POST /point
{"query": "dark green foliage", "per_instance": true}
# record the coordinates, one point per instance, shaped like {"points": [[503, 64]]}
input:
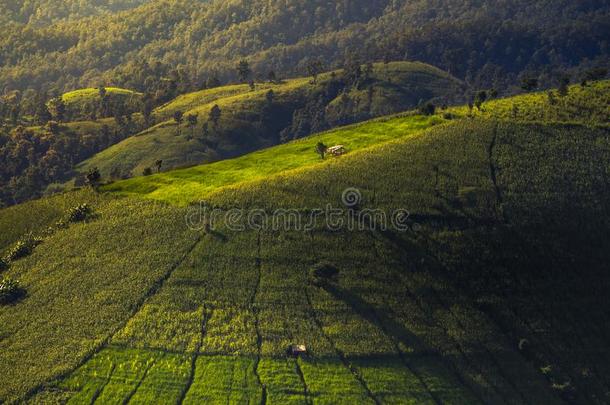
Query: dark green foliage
{"points": [[314, 68], [178, 119], [563, 89], [323, 273], [529, 83], [22, 248], [215, 114], [10, 291], [93, 177], [3, 264], [243, 71], [147, 171], [79, 213], [599, 73], [480, 98], [321, 149], [427, 109], [462, 37]]}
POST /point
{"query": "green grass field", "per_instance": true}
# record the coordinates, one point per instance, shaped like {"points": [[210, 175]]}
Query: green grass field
{"points": [[494, 293], [190, 185], [90, 94], [241, 129]]}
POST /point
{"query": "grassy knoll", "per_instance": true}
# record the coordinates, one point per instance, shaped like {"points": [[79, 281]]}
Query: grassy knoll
{"points": [[85, 100], [590, 104], [189, 185], [250, 121]]}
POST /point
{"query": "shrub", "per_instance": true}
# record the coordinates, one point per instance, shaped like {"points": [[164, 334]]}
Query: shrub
{"points": [[10, 291], [22, 248], [427, 109], [147, 171], [3, 264], [79, 213], [324, 272]]}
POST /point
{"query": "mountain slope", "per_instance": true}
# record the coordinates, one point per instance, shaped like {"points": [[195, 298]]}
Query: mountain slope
{"points": [[250, 120], [42, 12], [207, 38], [479, 299]]}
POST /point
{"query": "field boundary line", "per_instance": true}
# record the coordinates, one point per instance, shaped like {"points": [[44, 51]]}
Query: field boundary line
{"points": [[98, 347], [346, 363], [205, 317], [135, 389]]}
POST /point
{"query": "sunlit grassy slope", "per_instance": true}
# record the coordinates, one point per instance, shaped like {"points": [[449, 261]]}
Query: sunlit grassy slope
{"points": [[242, 127], [421, 316], [189, 185], [494, 294], [92, 94], [81, 100], [581, 104], [586, 105]]}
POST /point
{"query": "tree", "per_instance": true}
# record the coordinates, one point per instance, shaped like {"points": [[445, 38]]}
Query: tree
{"points": [[353, 71], [93, 178], [272, 77], [148, 105], [57, 108], [480, 98], [102, 92], [158, 164], [215, 114], [529, 83], [563, 88], [594, 74], [192, 122], [53, 127], [314, 68], [321, 149], [270, 96], [212, 82], [243, 71], [178, 118], [427, 109], [252, 85]]}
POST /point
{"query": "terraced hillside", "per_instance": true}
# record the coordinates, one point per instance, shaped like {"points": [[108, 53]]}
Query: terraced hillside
{"points": [[490, 291]]}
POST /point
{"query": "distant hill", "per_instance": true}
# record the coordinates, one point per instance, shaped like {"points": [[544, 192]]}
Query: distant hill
{"points": [[251, 121], [44, 12], [81, 103], [489, 43], [487, 292]]}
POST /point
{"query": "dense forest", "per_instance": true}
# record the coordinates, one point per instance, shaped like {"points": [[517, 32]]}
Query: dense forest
{"points": [[41, 12], [485, 42], [164, 48]]}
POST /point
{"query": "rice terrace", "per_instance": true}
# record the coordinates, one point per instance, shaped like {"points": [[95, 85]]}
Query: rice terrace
{"points": [[304, 202]]}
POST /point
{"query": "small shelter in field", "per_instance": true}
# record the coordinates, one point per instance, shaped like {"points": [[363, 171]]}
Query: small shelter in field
{"points": [[297, 350], [337, 150]]}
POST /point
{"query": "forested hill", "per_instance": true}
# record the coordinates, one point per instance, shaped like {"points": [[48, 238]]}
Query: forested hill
{"points": [[487, 42], [40, 12]]}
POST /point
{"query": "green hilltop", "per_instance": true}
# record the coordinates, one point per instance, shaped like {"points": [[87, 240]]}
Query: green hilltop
{"points": [[475, 300], [250, 120]]}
